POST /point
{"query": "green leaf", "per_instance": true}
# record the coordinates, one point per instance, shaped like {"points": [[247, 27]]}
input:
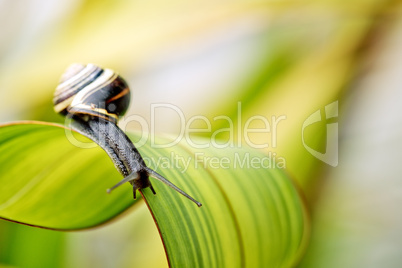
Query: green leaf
{"points": [[251, 216], [46, 181]]}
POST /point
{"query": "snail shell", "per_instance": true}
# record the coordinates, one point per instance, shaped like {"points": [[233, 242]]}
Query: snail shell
{"points": [[88, 90]]}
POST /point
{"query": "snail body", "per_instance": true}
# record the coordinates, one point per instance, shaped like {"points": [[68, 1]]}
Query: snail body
{"points": [[95, 98]]}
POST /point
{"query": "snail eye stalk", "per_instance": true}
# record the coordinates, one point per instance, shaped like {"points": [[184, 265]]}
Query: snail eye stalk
{"points": [[134, 176], [129, 178], [159, 177]]}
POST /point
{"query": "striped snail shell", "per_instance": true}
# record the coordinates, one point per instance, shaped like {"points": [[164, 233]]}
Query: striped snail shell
{"points": [[88, 90]]}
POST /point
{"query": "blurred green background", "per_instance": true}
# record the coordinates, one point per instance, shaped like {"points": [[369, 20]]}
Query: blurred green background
{"points": [[276, 58]]}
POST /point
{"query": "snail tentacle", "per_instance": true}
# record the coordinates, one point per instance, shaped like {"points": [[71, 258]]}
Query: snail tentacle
{"points": [[159, 177]]}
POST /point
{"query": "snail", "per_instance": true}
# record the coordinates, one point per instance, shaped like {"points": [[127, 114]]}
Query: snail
{"points": [[95, 98]]}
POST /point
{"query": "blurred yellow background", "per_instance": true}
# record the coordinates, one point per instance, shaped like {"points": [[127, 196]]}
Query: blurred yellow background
{"points": [[276, 58]]}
